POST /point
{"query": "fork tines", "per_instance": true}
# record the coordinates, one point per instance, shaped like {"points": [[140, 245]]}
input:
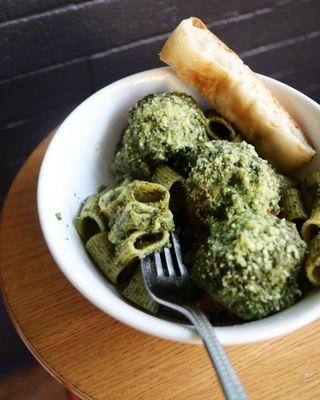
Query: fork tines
{"points": [[167, 263]]}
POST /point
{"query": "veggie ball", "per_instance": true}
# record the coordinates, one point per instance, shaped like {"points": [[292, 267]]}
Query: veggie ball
{"points": [[228, 178], [160, 126], [250, 264]]}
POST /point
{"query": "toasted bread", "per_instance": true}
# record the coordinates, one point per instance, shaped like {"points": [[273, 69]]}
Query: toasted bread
{"points": [[235, 91]]}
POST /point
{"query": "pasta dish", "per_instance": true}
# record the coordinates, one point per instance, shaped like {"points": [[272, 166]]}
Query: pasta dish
{"points": [[217, 177]]}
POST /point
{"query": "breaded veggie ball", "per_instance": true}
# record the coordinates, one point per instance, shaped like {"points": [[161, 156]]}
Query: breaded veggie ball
{"points": [[250, 264], [160, 126], [229, 179]]}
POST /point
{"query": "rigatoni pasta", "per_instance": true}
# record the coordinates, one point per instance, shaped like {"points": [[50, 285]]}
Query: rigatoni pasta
{"points": [[122, 224], [141, 244], [219, 128], [136, 292], [313, 261], [140, 217], [311, 189], [166, 176], [102, 252], [90, 220], [312, 226], [292, 206]]}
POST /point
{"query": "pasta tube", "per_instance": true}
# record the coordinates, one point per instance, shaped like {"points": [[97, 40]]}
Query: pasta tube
{"points": [[136, 292], [174, 182], [312, 226], [166, 176], [311, 189], [292, 206], [312, 181], [219, 128], [90, 220], [141, 244], [150, 193], [113, 202], [312, 265], [140, 217], [103, 254]]}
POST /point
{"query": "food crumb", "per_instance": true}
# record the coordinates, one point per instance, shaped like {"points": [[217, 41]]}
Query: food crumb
{"points": [[58, 216]]}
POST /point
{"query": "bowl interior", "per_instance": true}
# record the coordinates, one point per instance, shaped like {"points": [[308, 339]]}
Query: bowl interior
{"points": [[77, 163]]}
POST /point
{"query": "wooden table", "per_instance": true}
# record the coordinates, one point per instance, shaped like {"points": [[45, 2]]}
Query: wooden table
{"points": [[97, 357]]}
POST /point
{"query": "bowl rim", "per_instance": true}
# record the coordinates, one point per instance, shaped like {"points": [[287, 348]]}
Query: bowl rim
{"points": [[128, 314]]}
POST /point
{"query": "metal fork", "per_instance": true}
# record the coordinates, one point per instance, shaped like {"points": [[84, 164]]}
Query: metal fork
{"points": [[170, 285]]}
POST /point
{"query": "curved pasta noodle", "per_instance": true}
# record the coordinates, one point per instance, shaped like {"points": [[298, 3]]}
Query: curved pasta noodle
{"points": [[292, 206], [90, 220], [311, 189], [173, 181], [136, 292], [166, 176], [219, 128], [112, 203], [103, 254], [140, 217], [312, 226], [311, 193], [140, 244], [312, 264], [312, 182]]}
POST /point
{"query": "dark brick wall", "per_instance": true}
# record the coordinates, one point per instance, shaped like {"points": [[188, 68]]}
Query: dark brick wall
{"points": [[55, 53]]}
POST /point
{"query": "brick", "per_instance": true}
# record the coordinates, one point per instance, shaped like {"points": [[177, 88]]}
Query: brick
{"points": [[53, 88], [12, 9], [209, 10], [112, 66], [295, 55]]}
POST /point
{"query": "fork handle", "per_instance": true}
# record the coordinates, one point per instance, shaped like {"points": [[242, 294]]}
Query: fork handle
{"points": [[228, 377]]}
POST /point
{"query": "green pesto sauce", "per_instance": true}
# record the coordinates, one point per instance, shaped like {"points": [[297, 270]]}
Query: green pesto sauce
{"points": [[250, 264], [58, 216], [154, 220], [228, 179], [137, 206], [159, 126]]}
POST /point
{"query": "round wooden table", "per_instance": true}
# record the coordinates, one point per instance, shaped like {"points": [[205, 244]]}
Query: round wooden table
{"points": [[97, 357]]}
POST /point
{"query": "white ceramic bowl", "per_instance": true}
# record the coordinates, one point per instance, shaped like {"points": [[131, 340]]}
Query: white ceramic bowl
{"points": [[76, 164]]}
